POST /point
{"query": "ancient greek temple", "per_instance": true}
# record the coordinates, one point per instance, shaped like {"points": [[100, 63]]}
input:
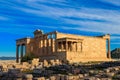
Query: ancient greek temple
{"points": [[65, 47]]}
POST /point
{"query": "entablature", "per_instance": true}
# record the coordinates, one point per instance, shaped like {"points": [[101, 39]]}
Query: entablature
{"points": [[69, 39]]}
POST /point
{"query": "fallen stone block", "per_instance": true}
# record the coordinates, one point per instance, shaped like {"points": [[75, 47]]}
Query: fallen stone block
{"points": [[27, 76], [14, 71]]}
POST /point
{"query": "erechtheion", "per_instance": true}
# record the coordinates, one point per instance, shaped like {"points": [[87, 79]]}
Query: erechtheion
{"points": [[65, 47]]}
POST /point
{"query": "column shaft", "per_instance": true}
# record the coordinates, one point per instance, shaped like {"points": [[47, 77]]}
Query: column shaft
{"points": [[109, 55], [51, 44], [56, 43], [26, 49], [56, 46], [47, 46], [17, 54], [39, 43], [21, 51], [43, 48]]}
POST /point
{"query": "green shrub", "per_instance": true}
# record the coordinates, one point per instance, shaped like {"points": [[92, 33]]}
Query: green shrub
{"points": [[27, 71], [28, 57], [115, 77]]}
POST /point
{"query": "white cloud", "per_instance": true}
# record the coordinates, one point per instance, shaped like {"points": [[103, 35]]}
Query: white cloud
{"points": [[114, 2], [35, 2], [95, 26], [46, 1], [3, 18], [110, 18]]}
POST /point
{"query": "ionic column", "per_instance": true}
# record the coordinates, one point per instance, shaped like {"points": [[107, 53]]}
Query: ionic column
{"points": [[40, 46], [26, 49], [43, 48], [21, 51], [109, 55], [47, 46], [51, 43], [56, 46], [17, 53]]}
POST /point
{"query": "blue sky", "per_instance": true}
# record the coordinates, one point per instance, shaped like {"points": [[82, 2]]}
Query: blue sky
{"points": [[19, 18]]}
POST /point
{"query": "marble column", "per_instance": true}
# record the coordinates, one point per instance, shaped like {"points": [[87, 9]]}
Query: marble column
{"points": [[21, 51], [27, 47], [47, 46], [109, 54], [56, 46], [43, 48], [17, 53], [25, 50], [56, 43], [51, 43], [39, 43], [40, 48]]}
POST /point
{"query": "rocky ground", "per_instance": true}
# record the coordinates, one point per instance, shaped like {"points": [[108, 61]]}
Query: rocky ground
{"points": [[55, 70]]}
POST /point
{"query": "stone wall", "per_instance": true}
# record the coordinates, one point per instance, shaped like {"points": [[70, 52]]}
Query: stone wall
{"points": [[93, 49]]}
